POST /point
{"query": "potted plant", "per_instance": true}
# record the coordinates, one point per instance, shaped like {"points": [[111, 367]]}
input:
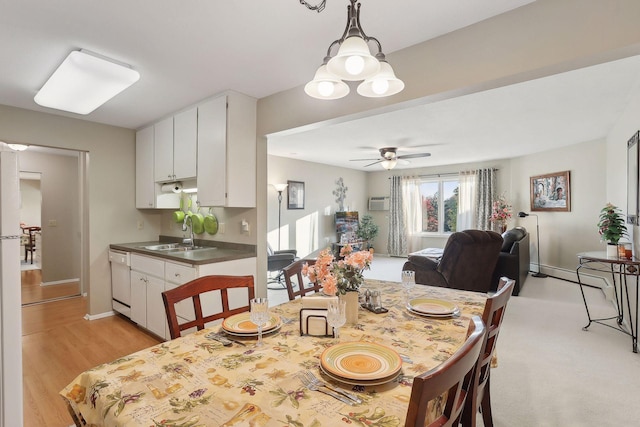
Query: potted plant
{"points": [[367, 230], [611, 227]]}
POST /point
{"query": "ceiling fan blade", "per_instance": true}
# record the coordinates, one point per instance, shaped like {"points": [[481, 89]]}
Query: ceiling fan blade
{"points": [[374, 163], [362, 160], [414, 156]]}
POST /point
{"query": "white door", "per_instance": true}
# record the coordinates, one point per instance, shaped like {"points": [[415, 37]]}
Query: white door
{"points": [[10, 337]]}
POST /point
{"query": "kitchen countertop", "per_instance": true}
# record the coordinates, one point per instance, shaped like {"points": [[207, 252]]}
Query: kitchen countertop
{"points": [[214, 252]]}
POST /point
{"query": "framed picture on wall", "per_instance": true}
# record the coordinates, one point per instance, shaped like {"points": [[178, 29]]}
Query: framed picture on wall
{"points": [[551, 192], [295, 195]]}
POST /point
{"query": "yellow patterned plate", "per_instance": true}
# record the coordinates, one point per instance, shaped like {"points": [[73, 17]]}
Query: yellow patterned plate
{"points": [[241, 323], [364, 383], [360, 360], [432, 306]]}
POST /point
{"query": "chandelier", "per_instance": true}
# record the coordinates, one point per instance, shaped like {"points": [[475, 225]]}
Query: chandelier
{"points": [[353, 62]]}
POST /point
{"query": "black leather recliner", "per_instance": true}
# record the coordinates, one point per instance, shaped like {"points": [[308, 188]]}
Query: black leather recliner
{"points": [[514, 259], [468, 261]]}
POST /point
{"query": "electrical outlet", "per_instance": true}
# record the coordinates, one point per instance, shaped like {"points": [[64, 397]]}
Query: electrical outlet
{"points": [[140, 224], [245, 226], [53, 223], [221, 228]]}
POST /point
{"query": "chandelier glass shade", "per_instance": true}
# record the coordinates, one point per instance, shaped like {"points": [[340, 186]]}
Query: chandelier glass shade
{"points": [[353, 61]]}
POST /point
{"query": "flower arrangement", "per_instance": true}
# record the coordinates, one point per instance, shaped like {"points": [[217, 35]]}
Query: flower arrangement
{"points": [[500, 211], [611, 224], [339, 276]]}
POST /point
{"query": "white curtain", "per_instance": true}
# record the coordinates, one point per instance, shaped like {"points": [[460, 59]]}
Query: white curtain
{"points": [[412, 212], [467, 206]]}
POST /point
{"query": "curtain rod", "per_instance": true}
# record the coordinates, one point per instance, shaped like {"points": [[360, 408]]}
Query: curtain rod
{"points": [[440, 175]]}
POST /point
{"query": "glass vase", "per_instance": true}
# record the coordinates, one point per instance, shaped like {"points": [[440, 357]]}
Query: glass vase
{"points": [[351, 298]]}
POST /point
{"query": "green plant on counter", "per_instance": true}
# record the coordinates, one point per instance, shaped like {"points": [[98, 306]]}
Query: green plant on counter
{"points": [[611, 225], [367, 229]]}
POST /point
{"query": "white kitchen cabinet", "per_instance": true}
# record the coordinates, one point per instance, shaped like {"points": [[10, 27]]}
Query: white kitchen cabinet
{"points": [[148, 192], [227, 151], [163, 150], [139, 298], [150, 276], [175, 148], [156, 315], [185, 144], [145, 182]]}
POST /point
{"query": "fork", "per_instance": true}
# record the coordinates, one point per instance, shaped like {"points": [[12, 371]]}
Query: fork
{"points": [[315, 387], [317, 381]]}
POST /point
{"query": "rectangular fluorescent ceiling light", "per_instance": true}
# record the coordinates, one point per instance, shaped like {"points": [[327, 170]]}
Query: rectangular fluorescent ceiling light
{"points": [[85, 81]]}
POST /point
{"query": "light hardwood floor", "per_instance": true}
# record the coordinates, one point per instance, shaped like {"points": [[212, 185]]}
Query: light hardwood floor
{"points": [[33, 292], [58, 344]]}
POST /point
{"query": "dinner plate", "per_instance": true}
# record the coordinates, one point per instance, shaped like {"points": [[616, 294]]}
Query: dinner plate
{"points": [[360, 360], [241, 323], [433, 316], [364, 383], [432, 306], [251, 334]]}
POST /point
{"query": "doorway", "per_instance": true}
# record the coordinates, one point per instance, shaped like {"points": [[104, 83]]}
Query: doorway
{"points": [[50, 221]]}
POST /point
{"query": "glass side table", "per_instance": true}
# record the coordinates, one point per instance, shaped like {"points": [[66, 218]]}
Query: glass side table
{"points": [[624, 272]]}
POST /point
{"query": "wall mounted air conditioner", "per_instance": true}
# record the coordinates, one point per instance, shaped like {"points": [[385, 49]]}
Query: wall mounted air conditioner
{"points": [[378, 203]]}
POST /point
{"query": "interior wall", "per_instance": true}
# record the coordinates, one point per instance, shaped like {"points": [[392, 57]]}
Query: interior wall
{"points": [[59, 188], [113, 217], [313, 227], [30, 202], [564, 234], [231, 218]]}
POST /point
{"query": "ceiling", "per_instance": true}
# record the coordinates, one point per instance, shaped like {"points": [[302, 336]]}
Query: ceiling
{"points": [[511, 121], [186, 51], [189, 50]]}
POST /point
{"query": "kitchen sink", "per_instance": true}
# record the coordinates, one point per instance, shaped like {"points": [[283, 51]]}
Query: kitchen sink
{"points": [[174, 247]]}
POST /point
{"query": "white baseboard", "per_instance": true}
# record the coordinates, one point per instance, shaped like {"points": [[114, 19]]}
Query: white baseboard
{"points": [[59, 282], [98, 316]]}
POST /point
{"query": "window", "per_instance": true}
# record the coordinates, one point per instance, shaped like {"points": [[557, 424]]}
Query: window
{"points": [[439, 201]]}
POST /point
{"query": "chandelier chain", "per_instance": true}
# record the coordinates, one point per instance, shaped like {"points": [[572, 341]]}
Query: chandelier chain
{"points": [[318, 8]]}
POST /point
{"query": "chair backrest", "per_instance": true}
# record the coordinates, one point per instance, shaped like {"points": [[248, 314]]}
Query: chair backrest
{"points": [[453, 376], [194, 289], [492, 316], [294, 271], [469, 258]]}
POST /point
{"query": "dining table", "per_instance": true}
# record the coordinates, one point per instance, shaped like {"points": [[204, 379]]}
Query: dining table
{"points": [[196, 380]]}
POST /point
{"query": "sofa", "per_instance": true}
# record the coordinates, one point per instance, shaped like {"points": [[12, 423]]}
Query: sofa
{"points": [[514, 259], [468, 262]]}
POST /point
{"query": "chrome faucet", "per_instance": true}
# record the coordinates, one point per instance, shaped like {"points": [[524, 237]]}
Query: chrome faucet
{"points": [[188, 223]]}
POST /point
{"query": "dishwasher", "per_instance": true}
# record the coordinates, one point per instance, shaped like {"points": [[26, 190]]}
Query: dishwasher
{"points": [[120, 281]]}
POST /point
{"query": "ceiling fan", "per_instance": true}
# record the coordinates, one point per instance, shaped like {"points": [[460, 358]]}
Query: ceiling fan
{"points": [[389, 157]]}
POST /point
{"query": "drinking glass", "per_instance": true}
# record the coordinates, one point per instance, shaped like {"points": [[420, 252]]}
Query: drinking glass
{"points": [[259, 316], [336, 315], [408, 282]]}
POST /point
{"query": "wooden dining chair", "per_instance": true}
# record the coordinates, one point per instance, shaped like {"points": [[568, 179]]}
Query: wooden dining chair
{"points": [[30, 245], [453, 377], [194, 289], [294, 279], [480, 397]]}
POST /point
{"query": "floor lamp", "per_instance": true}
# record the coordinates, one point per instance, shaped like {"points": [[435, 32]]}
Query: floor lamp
{"points": [[279, 188], [522, 215]]}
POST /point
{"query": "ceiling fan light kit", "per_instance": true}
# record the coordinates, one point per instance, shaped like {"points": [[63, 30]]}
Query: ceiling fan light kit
{"points": [[389, 158], [353, 62]]}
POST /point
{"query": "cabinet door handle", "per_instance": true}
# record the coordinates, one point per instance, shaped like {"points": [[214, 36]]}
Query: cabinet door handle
{"points": [[177, 274]]}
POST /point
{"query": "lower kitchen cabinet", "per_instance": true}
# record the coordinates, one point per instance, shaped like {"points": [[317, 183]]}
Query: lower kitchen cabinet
{"points": [[151, 276]]}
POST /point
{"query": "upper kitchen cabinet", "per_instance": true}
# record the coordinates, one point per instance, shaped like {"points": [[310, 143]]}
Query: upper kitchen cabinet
{"points": [[175, 148], [149, 193], [227, 151]]}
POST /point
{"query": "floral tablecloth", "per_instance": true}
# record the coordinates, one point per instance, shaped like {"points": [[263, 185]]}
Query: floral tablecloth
{"points": [[194, 381]]}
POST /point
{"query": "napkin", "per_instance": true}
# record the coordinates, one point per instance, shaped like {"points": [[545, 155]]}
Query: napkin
{"points": [[317, 301], [317, 323]]}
